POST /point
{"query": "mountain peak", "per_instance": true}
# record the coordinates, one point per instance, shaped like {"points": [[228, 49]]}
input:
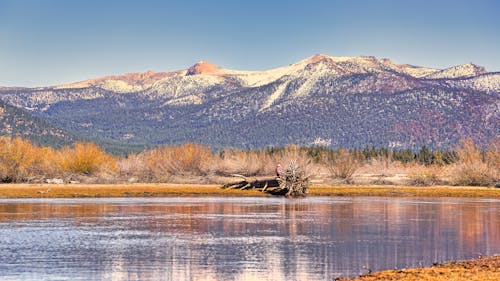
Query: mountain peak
{"points": [[202, 67], [386, 61], [322, 57], [318, 57], [459, 71]]}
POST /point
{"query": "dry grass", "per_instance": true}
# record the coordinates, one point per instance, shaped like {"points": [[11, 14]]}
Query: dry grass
{"points": [[166, 190], [404, 191], [117, 190], [473, 270]]}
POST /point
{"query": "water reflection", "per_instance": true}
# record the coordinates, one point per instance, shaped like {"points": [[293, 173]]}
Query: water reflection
{"points": [[238, 238]]}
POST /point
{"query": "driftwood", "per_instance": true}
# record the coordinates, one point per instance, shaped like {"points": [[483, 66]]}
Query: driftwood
{"points": [[251, 184], [292, 183]]}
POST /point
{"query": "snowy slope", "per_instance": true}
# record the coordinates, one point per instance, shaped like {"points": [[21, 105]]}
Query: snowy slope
{"points": [[464, 70]]}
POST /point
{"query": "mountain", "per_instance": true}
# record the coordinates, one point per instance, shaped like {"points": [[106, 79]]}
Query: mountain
{"points": [[17, 122], [333, 101]]}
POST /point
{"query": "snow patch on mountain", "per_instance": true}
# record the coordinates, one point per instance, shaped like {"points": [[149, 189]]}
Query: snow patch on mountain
{"points": [[186, 100], [464, 70], [417, 71], [119, 86], [321, 142], [179, 86], [260, 78], [280, 90], [489, 82]]}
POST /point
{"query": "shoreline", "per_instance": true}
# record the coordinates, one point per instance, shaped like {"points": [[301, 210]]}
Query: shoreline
{"points": [[482, 268], [23, 190]]}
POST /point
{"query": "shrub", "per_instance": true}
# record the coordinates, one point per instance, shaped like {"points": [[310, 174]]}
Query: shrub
{"points": [[248, 163], [86, 159], [342, 164], [261, 162], [425, 175], [157, 163], [20, 160], [190, 159], [184, 160], [472, 168], [492, 159], [133, 165]]}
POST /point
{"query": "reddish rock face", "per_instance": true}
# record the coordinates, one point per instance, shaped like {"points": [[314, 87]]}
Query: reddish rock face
{"points": [[202, 67], [131, 78]]}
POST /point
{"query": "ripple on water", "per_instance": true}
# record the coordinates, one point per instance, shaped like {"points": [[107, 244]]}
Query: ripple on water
{"points": [[313, 238]]}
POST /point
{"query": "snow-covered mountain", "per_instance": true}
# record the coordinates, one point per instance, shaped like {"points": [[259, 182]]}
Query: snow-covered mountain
{"points": [[459, 71], [346, 101]]}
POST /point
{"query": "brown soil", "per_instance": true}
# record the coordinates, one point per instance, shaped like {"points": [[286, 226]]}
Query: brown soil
{"points": [[478, 269]]}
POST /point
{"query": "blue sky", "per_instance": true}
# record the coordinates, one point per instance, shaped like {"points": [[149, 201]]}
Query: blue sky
{"points": [[48, 42]]}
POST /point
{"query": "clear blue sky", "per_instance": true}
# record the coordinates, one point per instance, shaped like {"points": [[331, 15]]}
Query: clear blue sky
{"points": [[47, 42]]}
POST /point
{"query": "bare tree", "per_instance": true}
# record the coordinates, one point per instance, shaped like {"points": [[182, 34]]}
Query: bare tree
{"points": [[342, 164]]}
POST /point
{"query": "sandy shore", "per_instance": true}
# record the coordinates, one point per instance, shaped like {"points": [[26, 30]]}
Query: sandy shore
{"points": [[168, 190], [472, 270]]}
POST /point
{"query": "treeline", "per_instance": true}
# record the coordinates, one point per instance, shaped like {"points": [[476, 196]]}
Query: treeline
{"points": [[424, 156], [23, 161]]}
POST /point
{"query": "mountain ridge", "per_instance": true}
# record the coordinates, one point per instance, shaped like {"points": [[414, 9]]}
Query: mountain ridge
{"points": [[147, 79], [218, 106]]}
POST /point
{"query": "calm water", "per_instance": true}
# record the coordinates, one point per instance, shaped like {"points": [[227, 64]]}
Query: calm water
{"points": [[238, 238]]}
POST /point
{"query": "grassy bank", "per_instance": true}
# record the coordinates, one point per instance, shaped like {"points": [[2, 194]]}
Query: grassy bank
{"points": [[116, 190], [404, 191], [165, 190], [479, 269]]}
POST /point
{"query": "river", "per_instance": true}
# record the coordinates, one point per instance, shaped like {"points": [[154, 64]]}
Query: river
{"points": [[200, 238]]}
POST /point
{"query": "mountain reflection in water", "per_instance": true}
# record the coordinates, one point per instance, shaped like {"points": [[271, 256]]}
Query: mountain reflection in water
{"points": [[316, 238]]}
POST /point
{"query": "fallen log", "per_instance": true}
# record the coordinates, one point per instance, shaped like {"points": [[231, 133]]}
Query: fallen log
{"points": [[292, 183], [252, 184]]}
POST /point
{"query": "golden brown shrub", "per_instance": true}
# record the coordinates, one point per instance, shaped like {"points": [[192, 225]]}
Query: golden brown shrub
{"points": [[472, 168], [20, 160], [87, 159], [17, 159], [184, 160], [425, 175]]}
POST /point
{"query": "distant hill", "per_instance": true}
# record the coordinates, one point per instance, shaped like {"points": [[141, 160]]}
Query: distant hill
{"points": [[17, 122], [323, 100]]}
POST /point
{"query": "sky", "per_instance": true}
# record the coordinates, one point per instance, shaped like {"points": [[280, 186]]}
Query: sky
{"points": [[51, 42]]}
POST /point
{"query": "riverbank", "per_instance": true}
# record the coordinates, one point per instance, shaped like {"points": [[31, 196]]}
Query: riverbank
{"points": [[172, 190], [479, 269]]}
